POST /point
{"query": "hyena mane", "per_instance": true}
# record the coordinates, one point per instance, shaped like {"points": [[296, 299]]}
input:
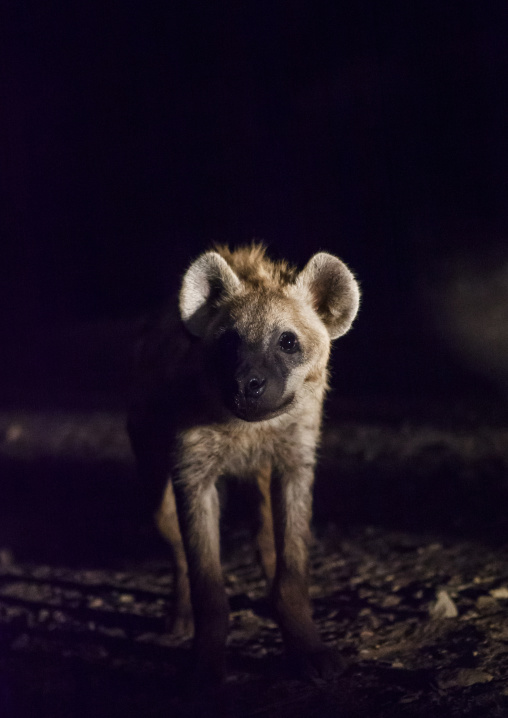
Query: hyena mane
{"points": [[251, 265]]}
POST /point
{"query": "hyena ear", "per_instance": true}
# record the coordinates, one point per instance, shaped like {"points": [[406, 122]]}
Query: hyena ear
{"points": [[208, 279], [333, 290]]}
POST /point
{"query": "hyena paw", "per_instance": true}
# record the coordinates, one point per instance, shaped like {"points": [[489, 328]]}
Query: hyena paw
{"points": [[323, 664]]}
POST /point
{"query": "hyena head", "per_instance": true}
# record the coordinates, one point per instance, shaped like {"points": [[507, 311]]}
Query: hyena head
{"points": [[266, 329]]}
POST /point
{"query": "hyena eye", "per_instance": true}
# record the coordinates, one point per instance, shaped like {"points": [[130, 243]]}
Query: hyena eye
{"points": [[288, 342]]}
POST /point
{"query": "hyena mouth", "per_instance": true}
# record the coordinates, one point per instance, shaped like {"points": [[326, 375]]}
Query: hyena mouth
{"points": [[254, 411]]}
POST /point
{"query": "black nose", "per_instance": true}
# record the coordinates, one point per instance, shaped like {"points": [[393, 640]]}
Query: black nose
{"points": [[254, 387]]}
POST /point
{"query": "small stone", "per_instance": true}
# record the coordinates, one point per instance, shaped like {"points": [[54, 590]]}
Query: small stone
{"points": [[470, 677], [44, 615], [433, 547], [465, 677], [126, 598], [390, 601], [444, 607], [96, 603], [486, 603]]}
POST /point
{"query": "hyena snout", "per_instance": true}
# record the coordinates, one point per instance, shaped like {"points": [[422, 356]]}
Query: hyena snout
{"points": [[251, 376], [254, 387], [258, 392], [254, 390], [251, 382]]}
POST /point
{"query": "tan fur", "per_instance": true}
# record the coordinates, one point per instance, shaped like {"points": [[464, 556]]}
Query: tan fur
{"points": [[265, 539], [184, 427], [251, 265]]}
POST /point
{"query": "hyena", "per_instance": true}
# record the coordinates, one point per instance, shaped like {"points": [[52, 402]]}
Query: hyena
{"points": [[234, 386]]}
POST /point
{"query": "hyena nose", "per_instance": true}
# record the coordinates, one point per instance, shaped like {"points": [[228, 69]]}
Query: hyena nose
{"points": [[254, 387]]}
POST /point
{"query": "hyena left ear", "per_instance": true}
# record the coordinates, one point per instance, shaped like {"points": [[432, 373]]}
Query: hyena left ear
{"points": [[207, 280], [333, 290]]}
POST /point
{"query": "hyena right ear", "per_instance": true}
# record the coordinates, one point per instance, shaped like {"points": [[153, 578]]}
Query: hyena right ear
{"points": [[208, 279], [334, 292]]}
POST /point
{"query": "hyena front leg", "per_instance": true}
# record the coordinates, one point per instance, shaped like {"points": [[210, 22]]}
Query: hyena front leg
{"points": [[292, 506], [198, 510], [265, 539], [166, 518], [150, 446]]}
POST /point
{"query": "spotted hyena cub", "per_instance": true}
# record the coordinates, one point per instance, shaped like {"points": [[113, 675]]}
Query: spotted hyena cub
{"points": [[233, 386]]}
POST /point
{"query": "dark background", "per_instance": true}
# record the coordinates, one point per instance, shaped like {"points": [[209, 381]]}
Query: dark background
{"points": [[134, 134]]}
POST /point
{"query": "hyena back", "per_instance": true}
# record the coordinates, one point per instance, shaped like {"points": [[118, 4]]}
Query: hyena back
{"points": [[234, 385]]}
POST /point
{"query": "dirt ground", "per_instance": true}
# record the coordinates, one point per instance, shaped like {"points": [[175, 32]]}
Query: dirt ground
{"points": [[409, 577]]}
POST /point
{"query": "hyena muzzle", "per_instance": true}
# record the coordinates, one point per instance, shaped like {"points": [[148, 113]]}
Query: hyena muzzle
{"points": [[233, 385]]}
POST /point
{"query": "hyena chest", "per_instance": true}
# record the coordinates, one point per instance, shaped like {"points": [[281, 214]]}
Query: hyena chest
{"points": [[241, 453]]}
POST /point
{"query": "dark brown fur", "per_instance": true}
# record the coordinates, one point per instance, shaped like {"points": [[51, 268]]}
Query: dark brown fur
{"points": [[235, 386]]}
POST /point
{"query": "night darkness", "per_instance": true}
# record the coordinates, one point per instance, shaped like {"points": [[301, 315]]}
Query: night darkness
{"points": [[136, 134]]}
